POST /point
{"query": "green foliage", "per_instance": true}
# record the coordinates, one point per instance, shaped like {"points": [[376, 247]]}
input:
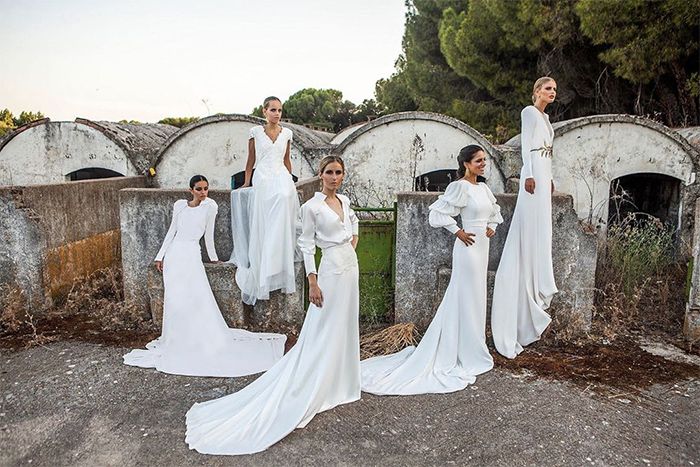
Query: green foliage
{"points": [[178, 121], [130, 122], [9, 122], [638, 248], [476, 60], [326, 108]]}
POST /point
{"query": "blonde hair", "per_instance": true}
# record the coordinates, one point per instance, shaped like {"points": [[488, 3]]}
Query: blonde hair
{"points": [[329, 160], [538, 84]]}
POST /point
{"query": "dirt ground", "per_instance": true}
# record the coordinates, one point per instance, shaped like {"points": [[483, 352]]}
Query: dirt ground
{"points": [[73, 402]]}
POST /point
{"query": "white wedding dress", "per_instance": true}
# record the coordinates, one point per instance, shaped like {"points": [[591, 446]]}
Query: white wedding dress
{"points": [[525, 284], [453, 350], [270, 210], [195, 340], [320, 372]]}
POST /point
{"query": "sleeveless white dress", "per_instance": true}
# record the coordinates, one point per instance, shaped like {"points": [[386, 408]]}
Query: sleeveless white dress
{"points": [[453, 350], [272, 213], [525, 284], [320, 372], [195, 340]]}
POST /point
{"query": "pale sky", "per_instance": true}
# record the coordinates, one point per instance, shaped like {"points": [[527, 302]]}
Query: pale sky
{"points": [[149, 59]]}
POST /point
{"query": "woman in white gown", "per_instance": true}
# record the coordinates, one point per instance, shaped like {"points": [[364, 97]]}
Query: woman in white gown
{"points": [[323, 369], [273, 210], [195, 340], [453, 350], [525, 284]]}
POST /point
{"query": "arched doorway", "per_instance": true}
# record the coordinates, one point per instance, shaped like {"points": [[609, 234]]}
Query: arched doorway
{"points": [[91, 173], [650, 193], [437, 180]]}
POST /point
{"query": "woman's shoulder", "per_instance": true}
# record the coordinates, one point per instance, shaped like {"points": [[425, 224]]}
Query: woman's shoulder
{"points": [[180, 203], [529, 110], [344, 199], [255, 130], [210, 203]]}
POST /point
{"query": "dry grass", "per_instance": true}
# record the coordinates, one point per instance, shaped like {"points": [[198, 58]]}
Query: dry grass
{"points": [[389, 340]]}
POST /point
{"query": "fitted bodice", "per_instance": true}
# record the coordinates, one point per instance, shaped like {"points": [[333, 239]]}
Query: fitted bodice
{"points": [[269, 155]]}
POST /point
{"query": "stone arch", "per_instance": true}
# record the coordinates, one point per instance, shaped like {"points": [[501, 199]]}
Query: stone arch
{"points": [[591, 152], [48, 152], [217, 146], [386, 155]]}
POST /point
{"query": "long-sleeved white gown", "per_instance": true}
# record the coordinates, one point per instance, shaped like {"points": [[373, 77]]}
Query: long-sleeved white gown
{"points": [[271, 211], [320, 372], [453, 350], [525, 284], [195, 340]]}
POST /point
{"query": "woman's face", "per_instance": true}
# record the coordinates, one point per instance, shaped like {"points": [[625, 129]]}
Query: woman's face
{"points": [[200, 191], [332, 176], [273, 112], [477, 165], [547, 92]]}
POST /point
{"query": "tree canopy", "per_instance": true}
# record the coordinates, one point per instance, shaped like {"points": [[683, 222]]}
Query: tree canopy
{"points": [[9, 122], [476, 60]]}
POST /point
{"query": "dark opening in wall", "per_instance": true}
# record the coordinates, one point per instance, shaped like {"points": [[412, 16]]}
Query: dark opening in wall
{"points": [[92, 173], [654, 194], [237, 179], [437, 180]]}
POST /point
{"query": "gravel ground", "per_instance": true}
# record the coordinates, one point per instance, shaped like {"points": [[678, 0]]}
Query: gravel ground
{"points": [[74, 403]]}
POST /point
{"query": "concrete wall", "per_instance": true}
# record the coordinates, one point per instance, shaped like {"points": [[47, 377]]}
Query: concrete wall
{"points": [[55, 234], [46, 152], [384, 156], [145, 218], [217, 147], [691, 325], [424, 256]]}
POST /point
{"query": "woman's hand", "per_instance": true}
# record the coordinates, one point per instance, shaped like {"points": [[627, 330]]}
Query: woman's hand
{"points": [[552, 186], [530, 185], [490, 232], [245, 185], [466, 237], [159, 265], [315, 295], [354, 241]]}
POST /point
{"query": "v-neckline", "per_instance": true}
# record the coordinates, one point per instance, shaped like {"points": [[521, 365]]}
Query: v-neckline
{"points": [[342, 208], [278, 135], [547, 123]]}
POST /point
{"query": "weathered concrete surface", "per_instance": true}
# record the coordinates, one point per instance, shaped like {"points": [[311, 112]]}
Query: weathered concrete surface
{"points": [[691, 323], [385, 155], [422, 251], [591, 152], [46, 152], [145, 219], [55, 234], [217, 147], [77, 404]]}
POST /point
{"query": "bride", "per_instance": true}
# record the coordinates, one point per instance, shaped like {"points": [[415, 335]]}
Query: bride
{"points": [[195, 339], [323, 369]]}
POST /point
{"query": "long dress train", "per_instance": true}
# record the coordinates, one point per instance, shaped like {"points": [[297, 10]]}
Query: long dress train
{"points": [[320, 372], [453, 350], [195, 340], [272, 212], [524, 284]]}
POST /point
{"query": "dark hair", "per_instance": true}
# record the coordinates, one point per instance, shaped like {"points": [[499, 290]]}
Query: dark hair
{"points": [[329, 160], [466, 154], [198, 178], [269, 99]]}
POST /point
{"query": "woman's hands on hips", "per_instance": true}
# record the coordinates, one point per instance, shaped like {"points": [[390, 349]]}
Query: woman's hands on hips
{"points": [[490, 232], [466, 237]]}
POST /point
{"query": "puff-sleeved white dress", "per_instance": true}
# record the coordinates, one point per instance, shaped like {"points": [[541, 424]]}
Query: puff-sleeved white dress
{"points": [[195, 339], [453, 350]]}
